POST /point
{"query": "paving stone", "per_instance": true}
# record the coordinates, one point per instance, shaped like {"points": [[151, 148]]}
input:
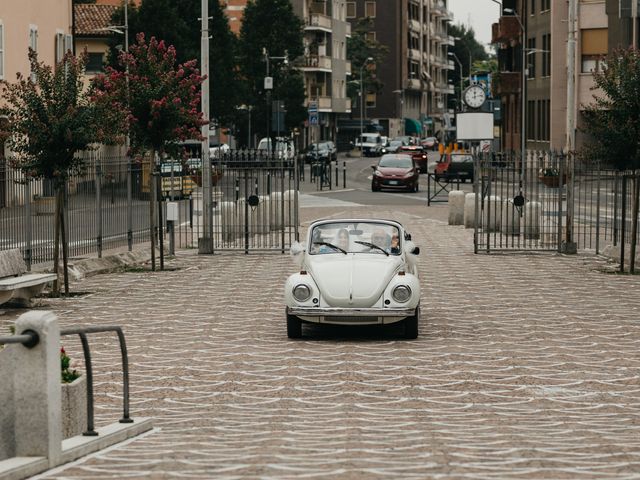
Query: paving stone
{"points": [[527, 366]]}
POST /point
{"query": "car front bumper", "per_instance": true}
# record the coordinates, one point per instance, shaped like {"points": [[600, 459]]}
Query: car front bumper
{"points": [[351, 316]]}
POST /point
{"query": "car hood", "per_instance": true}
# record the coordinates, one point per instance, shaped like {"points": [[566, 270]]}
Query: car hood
{"points": [[353, 280], [400, 172]]}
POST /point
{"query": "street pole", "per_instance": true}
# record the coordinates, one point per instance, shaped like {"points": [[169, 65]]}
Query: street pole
{"points": [[569, 245], [205, 244], [361, 109]]}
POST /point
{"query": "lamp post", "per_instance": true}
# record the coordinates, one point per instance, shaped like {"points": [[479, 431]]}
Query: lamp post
{"points": [[368, 60], [499, 5], [523, 96], [268, 86], [451, 54]]}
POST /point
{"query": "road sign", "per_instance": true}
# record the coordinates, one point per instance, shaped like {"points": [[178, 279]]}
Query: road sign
{"points": [[268, 83], [312, 107], [314, 118]]}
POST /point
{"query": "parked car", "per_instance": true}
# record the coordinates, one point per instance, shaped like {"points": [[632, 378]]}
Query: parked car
{"points": [[418, 154], [392, 146], [454, 166], [322, 151], [354, 272], [430, 143], [395, 171], [370, 143]]}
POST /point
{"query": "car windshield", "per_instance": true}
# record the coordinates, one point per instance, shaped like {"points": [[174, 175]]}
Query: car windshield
{"points": [[355, 237], [399, 161]]}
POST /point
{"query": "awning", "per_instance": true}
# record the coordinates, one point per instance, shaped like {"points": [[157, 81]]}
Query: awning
{"points": [[412, 127]]}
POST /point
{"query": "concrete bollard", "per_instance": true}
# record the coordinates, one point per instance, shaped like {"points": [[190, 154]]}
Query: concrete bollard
{"points": [[289, 199], [456, 207], [531, 220], [229, 221], [510, 218], [34, 381], [275, 211], [469, 210], [492, 213], [263, 212]]}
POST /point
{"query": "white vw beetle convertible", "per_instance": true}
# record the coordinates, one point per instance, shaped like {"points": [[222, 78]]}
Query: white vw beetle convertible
{"points": [[354, 272]]}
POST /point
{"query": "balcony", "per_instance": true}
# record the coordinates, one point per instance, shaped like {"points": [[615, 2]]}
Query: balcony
{"points": [[507, 30], [414, 25], [414, 54], [348, 32], [315, 63], [414, 84], [451, 65], [508, 82], [317, 21], [324, 104], [347, 67]]}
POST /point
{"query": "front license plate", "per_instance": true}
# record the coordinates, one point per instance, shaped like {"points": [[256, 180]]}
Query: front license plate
{"points": [[393, 182]]}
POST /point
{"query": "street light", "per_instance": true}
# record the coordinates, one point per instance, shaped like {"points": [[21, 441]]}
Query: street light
{"points": [[499, 4], [522, 95], [470, 57], [368, 60], [451, 54], [268, 86]]}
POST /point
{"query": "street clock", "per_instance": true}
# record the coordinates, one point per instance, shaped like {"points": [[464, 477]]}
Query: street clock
{"points": [[475, 96]]}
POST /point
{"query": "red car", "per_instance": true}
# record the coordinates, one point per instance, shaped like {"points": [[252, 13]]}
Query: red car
{"points": [[455, 166], [418, 154], [395, 171]]}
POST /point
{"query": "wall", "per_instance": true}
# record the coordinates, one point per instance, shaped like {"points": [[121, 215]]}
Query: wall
{"points": [[7, 412]]}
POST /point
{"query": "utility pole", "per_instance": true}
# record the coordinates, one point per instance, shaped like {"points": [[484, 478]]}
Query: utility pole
{"points": [[205, 243], [570, 145]]}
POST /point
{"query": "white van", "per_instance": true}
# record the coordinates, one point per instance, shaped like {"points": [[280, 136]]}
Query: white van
{"points": [[284, 148], [371, 144]]}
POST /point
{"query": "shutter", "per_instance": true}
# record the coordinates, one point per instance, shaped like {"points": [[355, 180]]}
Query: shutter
{"points": [[1, 51], [59, 47], [68, 43], [595, 41]]}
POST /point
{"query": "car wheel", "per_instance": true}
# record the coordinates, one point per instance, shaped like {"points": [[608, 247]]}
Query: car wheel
{"points": [[294, 326], [374, 188], [411, 325]]}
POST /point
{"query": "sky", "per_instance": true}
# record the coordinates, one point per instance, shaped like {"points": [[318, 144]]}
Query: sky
{"points": [[479, 14]]}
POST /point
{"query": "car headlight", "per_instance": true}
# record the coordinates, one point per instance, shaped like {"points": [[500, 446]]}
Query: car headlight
{"points": [[401, 294], [378, 173], [301, 292]]}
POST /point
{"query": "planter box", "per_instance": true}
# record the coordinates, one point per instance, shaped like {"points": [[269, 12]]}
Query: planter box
{"points": [[74, 407]]}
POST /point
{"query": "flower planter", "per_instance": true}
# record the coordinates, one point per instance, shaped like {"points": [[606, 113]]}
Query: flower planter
{"points": [[552, 181], [74, 407]]}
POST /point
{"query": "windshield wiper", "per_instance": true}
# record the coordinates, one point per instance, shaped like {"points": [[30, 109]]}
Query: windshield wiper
{"points": [[330, 245], [373, 245]]}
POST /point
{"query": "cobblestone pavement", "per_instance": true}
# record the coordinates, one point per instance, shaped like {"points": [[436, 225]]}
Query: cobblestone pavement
{"points": [[527, 366]]}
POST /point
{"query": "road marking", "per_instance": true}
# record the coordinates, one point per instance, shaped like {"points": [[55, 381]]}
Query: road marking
{"points": [[333, 191], [310, 201]]}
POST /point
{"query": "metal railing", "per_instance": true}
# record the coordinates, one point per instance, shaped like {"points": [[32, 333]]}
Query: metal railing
{"points": [[28, 338], [82, 333]]}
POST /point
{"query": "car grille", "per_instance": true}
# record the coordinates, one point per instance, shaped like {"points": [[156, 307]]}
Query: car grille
{"points": [[354, 319]]}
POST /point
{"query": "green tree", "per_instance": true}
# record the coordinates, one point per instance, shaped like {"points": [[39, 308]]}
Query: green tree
{"points": [[271, 26], [161, 99], [176, 22], [51, 117], [360, 47], [612, 121]]}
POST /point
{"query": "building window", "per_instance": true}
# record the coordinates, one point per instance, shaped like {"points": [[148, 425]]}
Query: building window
{"points": [[545, 5], [1, 51], [533, 7], [594, 44], [540, 121], [530, 131], [547, 131], [370, 9], [371, 36], [59, 46], [94, 62], [351, 10], [531, 58], [546, 55]]}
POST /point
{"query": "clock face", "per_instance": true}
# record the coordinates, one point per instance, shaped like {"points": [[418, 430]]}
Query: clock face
{"points": [[474, 96]]}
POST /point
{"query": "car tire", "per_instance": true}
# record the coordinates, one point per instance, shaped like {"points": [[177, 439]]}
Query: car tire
{"points": [[294, 326], [411, 325], [374, 188]]}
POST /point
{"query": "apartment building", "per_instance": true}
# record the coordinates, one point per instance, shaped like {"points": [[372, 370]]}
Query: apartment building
{"points": [[324, 64], [545, 26], [415, 71]]}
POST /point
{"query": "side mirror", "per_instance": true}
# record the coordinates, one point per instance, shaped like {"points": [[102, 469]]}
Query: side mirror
{"points": [[416, 251]]}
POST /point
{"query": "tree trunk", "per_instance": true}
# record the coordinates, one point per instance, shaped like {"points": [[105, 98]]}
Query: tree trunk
{"points": [[634, 223], [56, 244], [65, 245], [152, 211]]}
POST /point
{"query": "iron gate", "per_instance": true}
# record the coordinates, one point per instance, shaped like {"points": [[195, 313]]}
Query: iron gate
{"points": [[521, 205], [255, 204]]}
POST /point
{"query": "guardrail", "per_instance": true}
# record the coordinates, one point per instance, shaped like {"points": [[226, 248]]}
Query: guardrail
{"points": [[82, 333], [28, 338]]}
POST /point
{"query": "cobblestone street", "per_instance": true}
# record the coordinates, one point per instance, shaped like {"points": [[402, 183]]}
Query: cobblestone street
{"points": [[527, 366]]}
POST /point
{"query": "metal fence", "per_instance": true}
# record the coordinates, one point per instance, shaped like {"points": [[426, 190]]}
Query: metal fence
{"points": [[529, 206], [107, 206]]}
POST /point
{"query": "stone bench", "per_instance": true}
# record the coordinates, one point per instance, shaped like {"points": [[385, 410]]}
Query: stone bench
{"points": [[16, 283]]}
